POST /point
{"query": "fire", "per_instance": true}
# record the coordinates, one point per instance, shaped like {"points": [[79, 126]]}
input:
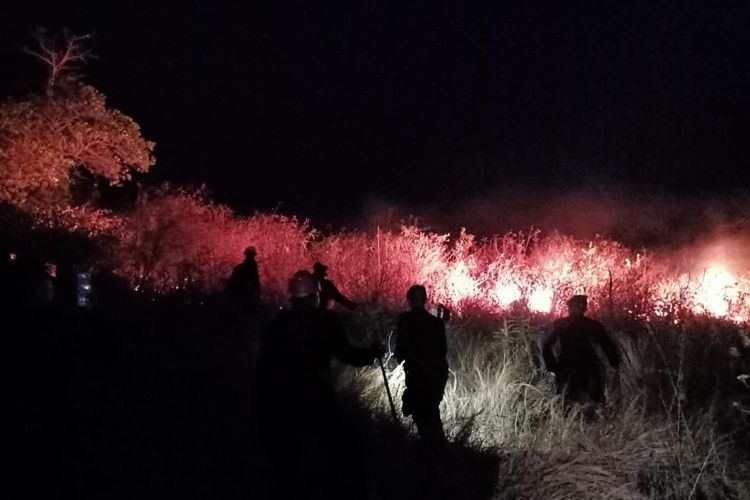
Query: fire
{"points": [[540, 300], [495, 276], [506, 293], [461, 285], [717, 288]]}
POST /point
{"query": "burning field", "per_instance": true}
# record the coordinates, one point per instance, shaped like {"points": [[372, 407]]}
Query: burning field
{"points": [[146, 380], [177, 242], [674, 425], [675, 422]]}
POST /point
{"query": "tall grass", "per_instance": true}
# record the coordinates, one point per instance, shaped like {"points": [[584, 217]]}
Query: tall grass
{"points": [[177, 241], [657, 436], [674, 427]]}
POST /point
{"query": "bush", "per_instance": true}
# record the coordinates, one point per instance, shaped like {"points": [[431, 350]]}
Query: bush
{"points": [[177, 240]]}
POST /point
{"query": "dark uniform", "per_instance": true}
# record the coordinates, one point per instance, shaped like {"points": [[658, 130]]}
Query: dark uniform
{"points": [[243, 287], [329, 293], [327, 290], [421, 344], [296, 355], [578, 372], [304, 436]]}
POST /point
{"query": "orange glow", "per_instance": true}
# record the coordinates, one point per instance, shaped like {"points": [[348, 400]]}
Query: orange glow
{"points": [[718, 286]]}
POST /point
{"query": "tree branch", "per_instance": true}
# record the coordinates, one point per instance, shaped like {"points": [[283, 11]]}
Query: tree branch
{"points": [[58, 56]]}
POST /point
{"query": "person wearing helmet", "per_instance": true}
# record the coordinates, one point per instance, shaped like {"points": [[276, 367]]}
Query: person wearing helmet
{"points": [[299, 419], [578, 373], [328, 291], [243, 286], [421, 345]]}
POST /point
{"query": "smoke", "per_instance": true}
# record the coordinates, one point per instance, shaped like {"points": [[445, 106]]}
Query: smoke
{"points": [[718, 249], [694, 231]]}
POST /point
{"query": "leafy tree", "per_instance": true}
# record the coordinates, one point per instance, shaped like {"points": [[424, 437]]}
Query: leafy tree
{"points": [[43, 138]]}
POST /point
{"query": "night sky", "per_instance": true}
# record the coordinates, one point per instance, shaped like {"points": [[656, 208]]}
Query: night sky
{"points": [[321, 109]]}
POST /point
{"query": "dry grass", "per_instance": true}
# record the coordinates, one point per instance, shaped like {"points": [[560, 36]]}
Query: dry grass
{"points": [[667, 431], [178, 241], [174, 241], [633, 449]]}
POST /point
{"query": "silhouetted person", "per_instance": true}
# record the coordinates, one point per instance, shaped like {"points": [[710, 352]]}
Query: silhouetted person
{"points": [[308, 449], [328, 291], [243, 287], [421, 345], [578, 373], [442, 312]]}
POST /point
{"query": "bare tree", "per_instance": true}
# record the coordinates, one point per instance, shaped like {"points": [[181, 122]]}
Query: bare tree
{"points": [[61, 55]]}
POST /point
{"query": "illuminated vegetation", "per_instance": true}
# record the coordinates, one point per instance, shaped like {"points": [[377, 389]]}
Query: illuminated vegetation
{"points": [[174, 240], [671, 430], [668, 430], [43, 138]]}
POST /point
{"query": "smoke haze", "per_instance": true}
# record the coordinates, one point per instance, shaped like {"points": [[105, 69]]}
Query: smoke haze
{"points": [[694, 230]]}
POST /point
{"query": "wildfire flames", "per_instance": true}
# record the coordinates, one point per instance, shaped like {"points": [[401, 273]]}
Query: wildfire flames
{"points": [[540, 300], [715, 292], [544, 274], [506, 294], [178, 242]]}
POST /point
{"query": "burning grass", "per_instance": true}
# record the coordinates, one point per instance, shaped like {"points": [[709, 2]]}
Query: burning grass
{"points": [[671, 430], [177, 241]]}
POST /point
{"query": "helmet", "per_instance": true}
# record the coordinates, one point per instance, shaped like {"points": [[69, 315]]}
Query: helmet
{"points": [[303, 284], [578, 299], [319, 268]]}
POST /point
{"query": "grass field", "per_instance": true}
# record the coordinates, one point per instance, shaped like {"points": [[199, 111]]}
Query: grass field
{"points": [[669, 429], [149, 398], [153, 391]]}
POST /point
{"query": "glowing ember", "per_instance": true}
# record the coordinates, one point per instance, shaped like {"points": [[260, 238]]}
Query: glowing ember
{"points": [[540, 300]]}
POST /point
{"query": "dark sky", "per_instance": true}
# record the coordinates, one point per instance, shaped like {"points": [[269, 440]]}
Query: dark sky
{"points": [[321, 108]]}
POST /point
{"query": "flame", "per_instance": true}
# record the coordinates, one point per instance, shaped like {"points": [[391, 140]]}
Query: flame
{"points": [[718, 286], [506, 293], [540, 300], [461, 285], [718, 293]]}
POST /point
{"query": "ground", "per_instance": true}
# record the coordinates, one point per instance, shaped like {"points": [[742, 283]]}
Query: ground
{"points": [[155, 398]]}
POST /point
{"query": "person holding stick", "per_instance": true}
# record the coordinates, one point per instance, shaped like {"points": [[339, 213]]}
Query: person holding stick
{"points": [[294, 380]]}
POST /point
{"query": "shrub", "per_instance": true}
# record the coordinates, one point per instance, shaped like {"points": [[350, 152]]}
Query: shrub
{"points": [[176, 239]]}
